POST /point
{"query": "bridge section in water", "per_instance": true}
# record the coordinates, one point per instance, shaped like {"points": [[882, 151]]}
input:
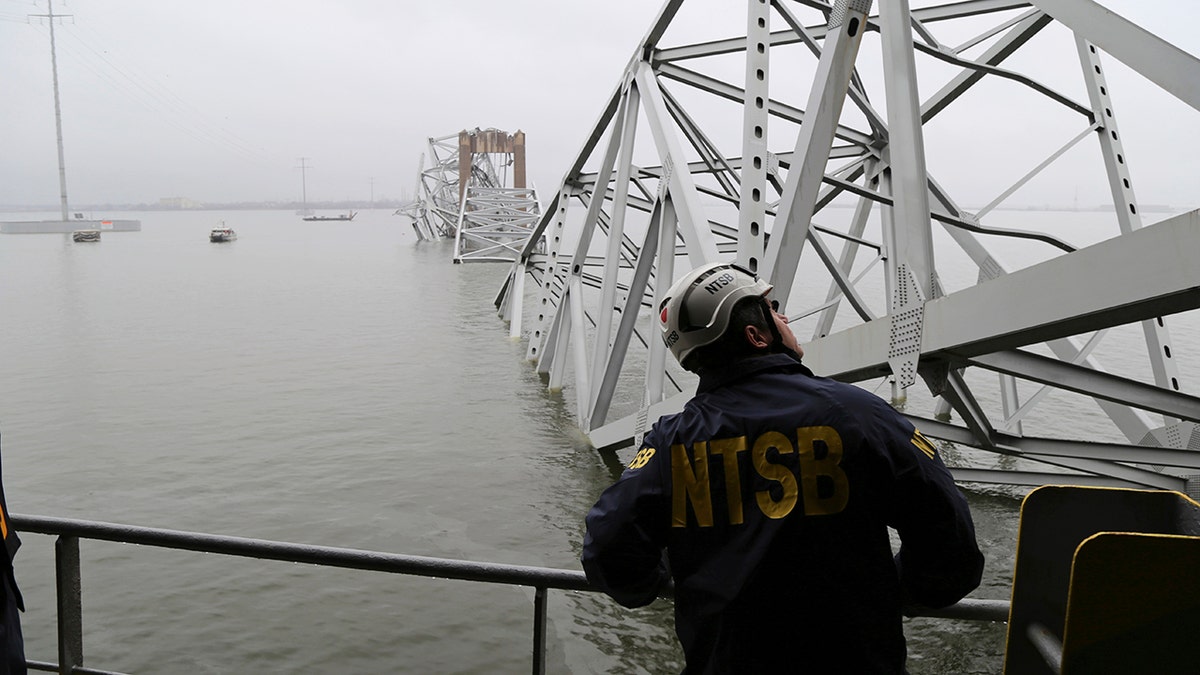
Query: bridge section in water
{"points": [[802, 148]]}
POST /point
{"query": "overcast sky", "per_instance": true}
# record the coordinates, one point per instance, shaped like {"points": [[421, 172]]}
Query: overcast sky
{"points": [[218, 101]]}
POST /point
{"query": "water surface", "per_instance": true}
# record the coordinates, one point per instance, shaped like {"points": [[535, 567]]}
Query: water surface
{"points": [[339, 384]]}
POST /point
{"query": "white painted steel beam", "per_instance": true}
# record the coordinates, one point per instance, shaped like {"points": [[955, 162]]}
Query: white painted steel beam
{"points": [[692, 225], [910, 265], [603, 377], [1129, 218], [812, 146], [778, 109], [949, 11], [615, 357], [1106, 289], [1158, 60], [1096, 383], [1107, 461], [752, 211]]}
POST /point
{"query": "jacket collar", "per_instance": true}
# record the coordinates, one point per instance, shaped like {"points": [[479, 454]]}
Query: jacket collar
{"points": [[719, 377]]}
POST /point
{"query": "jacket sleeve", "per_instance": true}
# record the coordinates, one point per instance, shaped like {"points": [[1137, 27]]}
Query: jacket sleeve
{"points": [[939, 560], [623, 546]]}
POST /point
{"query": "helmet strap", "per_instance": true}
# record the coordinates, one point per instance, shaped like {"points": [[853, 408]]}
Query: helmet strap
{"points": [[776, 345]]}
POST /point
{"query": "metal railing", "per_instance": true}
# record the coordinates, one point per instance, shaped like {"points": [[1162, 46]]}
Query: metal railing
{"points": [[541, 579]]}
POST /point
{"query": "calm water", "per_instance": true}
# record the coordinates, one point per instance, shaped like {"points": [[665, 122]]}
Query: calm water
{"points": [[327, 383]]}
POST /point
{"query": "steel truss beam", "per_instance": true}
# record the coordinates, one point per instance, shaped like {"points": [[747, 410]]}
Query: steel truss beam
{"points": [[442, 192], [836, 203], [494, 224], [435, 210]]}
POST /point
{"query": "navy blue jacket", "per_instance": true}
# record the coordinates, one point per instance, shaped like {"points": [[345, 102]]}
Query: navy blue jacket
{"points": [[772, 494], [12, 640]]}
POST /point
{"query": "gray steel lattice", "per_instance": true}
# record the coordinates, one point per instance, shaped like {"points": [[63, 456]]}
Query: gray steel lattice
{"points": [[495, 224], [490, 217], [796, 173]]}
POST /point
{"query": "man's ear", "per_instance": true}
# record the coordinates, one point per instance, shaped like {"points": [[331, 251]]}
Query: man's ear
{"points": [[757, 337]]}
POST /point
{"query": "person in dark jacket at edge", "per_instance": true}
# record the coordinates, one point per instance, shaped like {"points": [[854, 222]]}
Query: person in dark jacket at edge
{"points": [[772, 493], [12, 658]]}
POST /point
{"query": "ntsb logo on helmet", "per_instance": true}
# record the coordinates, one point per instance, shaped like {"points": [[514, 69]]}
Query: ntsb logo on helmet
{"points": [[718, 283]]}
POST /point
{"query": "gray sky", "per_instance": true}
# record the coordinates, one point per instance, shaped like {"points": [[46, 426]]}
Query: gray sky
{"points": [[218, 100]]}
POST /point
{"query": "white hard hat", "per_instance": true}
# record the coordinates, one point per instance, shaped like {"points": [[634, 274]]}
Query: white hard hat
{"points": [[696, 309]]}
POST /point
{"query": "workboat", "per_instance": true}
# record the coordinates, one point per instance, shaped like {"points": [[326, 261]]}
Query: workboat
{"points": [[222, 233], [343, 216], [85, 235]]}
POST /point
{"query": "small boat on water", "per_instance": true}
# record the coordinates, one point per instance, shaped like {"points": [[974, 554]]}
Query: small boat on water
{"points": [[220, 234], [85, 235], [344, 216]]}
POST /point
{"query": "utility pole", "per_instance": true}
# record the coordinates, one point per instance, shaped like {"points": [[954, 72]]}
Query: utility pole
{"points": [[372, 180], [304, 184], [62, 165]]}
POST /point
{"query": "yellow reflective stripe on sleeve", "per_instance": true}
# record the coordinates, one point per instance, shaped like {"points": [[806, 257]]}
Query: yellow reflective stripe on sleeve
{"points": [[918, 439]]}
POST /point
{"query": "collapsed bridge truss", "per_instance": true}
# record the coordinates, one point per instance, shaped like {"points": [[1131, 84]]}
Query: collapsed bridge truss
{"points": [[803, 150], [474, 192]]}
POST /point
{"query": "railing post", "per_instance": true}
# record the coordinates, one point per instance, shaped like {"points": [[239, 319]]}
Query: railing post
{"points": [[539, 631], [70, 604]]}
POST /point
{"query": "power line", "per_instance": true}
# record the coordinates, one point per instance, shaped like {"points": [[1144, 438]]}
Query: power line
{"points": [[169, 108], [163, 115], [165, 95]]}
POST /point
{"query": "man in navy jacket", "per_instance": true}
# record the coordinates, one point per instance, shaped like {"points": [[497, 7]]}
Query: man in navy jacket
{"points": [[771, 495]]}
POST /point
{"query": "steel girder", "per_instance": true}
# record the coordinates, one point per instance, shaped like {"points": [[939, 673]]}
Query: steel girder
{"points": [[438, 206], [1031, 374], [435, 207], [495, 224]]}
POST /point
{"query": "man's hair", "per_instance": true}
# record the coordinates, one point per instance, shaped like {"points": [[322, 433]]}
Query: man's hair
{"points": [[732, 345]]}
